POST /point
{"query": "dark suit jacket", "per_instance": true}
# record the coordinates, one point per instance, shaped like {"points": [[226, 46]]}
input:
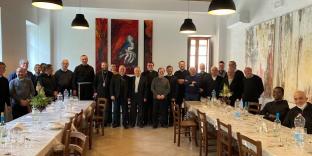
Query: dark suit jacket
{"points": [[142, 88], [115, 86], [236, 87], [214, 85], [204, 83], [100, 77]]}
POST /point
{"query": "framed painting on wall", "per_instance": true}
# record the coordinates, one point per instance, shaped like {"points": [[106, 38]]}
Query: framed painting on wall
{"points": [[124, 43]]}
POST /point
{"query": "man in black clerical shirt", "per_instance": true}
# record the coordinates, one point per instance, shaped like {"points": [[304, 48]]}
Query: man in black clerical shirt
{"points": [[101, 87], [214, 82], [4, 89], [150, 74], [203, 75], [302, 107], [180, 76], [64, 78], [47, 81], [119, 91], [253, 86], [171, 95], [278, 105], [83, 79], [138, 90]]}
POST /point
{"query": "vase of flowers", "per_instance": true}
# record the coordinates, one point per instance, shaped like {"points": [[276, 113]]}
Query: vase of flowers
{"points": [[40, 101]]}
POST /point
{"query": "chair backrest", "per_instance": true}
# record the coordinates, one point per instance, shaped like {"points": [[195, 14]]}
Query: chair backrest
{"points": [[254, 147], [90, 112], [75, 142], [202, 123], [224, 137], [176, 111], [100, 106], [78, 121], [66, 127], [254, 107]]}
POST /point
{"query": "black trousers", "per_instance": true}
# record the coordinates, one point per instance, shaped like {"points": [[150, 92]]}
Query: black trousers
{"points": [[18, 111], [123, 103], [85, 91], [148, 110], [160, 112], [136, 111]]}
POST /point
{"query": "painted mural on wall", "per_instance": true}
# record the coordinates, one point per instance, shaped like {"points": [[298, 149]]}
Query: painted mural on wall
{"points": [[292, 50], [101, 43], [148, 42], [259, 52], [124, 43]]}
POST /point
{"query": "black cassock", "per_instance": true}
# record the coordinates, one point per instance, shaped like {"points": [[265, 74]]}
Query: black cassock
{"points": [[306, 113], [83, 78], [180, 88]]}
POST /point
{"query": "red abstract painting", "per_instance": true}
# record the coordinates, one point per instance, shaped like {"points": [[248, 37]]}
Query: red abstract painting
{"points": [[124, 43], [148, 42], [101, 50]]}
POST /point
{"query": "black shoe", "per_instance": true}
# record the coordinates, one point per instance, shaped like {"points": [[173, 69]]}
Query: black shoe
{"points": [[126, 126], [115, 125], [141, 125], [164, 126], [154, 126]]}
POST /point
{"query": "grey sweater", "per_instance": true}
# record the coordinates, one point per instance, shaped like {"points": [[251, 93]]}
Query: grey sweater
{"points": [[21, 89], [160, 86]]}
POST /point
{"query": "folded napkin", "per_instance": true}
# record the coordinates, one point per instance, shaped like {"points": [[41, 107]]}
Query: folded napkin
{"points": [[19, 127], [55, 125]]}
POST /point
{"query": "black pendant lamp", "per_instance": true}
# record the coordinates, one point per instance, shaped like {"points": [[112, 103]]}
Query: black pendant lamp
{"points": [[80, 21], [188, 27], [48, 4], [222, 7]]}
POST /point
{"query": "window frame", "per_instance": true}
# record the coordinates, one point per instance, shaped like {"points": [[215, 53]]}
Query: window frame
{"points": [[208, 52]]}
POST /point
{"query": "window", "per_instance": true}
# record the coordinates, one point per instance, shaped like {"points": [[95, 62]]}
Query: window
{"points": [[32, 44], [199, 52]]}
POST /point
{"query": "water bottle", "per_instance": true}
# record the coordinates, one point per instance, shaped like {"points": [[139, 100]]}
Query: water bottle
{"points": [[66, 95], [299, 123], [277, 125], [2, 121], [213, 96], [2, 126], [237, 113]]}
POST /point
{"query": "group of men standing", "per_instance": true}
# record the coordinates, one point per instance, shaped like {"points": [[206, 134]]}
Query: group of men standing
{"points": [[144, 99]]}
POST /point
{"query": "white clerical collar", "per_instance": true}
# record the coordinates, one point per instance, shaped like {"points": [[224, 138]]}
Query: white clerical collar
{"points": [[303, 107], [214, 77], [64, 70]]}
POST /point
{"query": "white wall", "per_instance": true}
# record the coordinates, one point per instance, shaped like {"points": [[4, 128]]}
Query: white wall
{"points": [[259, 11], [169, 46], [14, 15]]}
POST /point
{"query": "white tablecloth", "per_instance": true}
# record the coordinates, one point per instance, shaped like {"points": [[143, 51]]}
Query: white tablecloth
{"points": [[271, 146], [41, 137]]}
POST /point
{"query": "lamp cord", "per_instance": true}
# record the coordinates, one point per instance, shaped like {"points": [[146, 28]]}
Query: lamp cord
{"points": [[188, 9]]}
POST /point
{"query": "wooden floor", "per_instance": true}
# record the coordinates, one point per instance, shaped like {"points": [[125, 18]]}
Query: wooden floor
{"points": [[140, 142]]}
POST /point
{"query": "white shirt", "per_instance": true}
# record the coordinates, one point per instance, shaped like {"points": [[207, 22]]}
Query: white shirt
{"points": [[136, 84], [214, 77], [303, 107]]}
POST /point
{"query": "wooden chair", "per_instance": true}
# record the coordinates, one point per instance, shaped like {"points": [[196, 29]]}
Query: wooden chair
{"points": [[76, 143], [204, 134], [78, 122], [59, 149], [254, 108], [224, 139], [246, 151], [99, 116], [182, 126], [89, 120]]}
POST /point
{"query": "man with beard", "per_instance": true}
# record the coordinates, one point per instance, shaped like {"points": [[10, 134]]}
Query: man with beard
{"points": [[101, 87]]}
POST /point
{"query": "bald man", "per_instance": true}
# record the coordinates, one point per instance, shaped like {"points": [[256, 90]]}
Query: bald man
{"points": [[302, 107], [214, 82], [23, 63], [21, 91], [83, 79], [64, 77], [253, 86], [192, 86], [119, 92]]}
